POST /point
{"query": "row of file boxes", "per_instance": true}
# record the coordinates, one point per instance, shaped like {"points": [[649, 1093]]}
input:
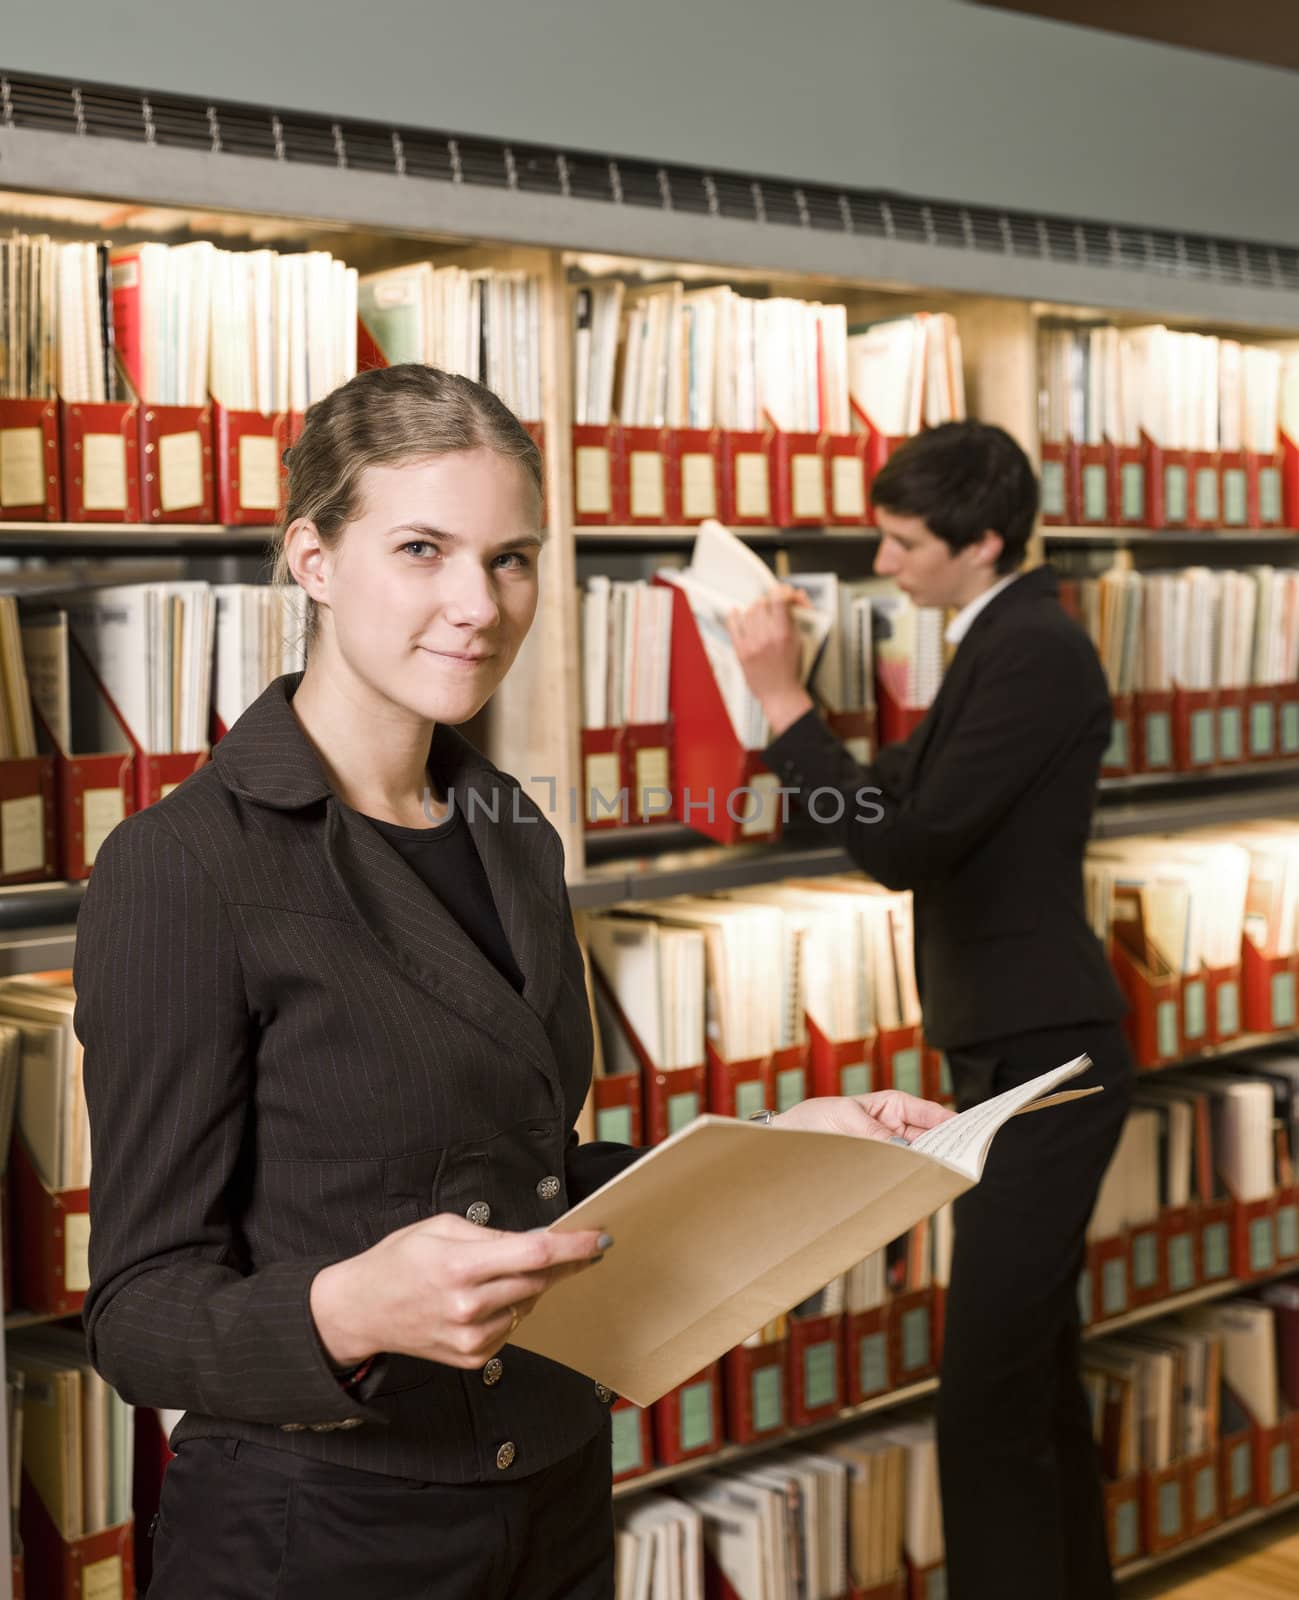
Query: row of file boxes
{"points": [[1202, 730], [1154, 1512], [1144, 486], [673, 476]]}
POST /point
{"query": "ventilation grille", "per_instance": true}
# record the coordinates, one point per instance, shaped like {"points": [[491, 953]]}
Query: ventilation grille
{"points": [[62, 107]]}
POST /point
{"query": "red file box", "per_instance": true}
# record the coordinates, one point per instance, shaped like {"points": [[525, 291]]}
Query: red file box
{"points": [[1239, 507], [99, 1567], [617, 1107], [1163, 1509], [899, 1059], [603, 794], [1147, 1265], [1267, 498], [642, 464], [1236, 1472], [1270, 985], [1253, 1237], [840, 1066], [746, 479], [673, 1097], [791, 1075], [1153, 1020], [855, 730], [633, 1449], [1205, 472], [1108, 1269], [866, 1354], [739, 1088], [1058, 476], [1224, 1003], [847, 480], [1130, 500], [157, 775], [1231, 730], [1098, 485], [1123, 1519], [927, 1583], [647, 770], [694, 472], [911, 1336], [1155, 751], [176, 483], [1286, 1223], [722, 790], [815, 1367], [1194, 729], [598, 477], [51, 1235], [101, 461], [897, 721], [31, 488], [687, 1421], [1261, 732], [1214, 1224], [1289, 453], [798, 488], [1274, 1461], [879, 447], [1197, 1029], [1118, 759], [1287, 719], [1179, 1249], [27, 813], [1203, 1492], [1168, 487], [756, 1391], [250, 447]]}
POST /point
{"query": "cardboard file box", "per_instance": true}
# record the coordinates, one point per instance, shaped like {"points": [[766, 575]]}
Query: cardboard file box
{"points": [[603, 795], [647, 770], [642, 463], [1266, 493], [28, 842], [1232, 731], [1224, 1003], [911, 1337], [739, 1088], [791, 1075], [1287, 720], [51, 1237], [1058, 477], [1274, 1461], [1108, 1274], [1147, 1264], [899, 1057], [249, 455], [100, 1566], [1196, 1024], [1168, 487], [1120, 753], [1179, 1249], [798, 479], [1214, 1227], [598, 477], [1289, 454], [101, 461], [687, 1421], [1130, 498], [1203, 1492], [1195, 742], [694, 475], [756, 1391], [847, 480], [746, 479], [1286, 1224], [1123, 1519], [1164, 1520], [815, 1368], [1253, 1237], [1261, 732], [1270, 985], [866, 1354], [633, 1449], [841, 1066], [1236, 1472], [1153, 1020], [31, 485], [672, 1097], [176, 480], [1205, 470], [1239, 507], [1153, 715], [1098, 485]]}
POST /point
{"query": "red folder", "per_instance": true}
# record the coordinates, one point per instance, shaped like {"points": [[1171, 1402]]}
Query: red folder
{"points": [[1098, 485], [1202, 1491], [647, 770], [249, 451], [642, 463], [815, 1356], [176, 480], [739, 1088], [1058, 476], [840, 1066], [1261, 732], [1232, 727], [31, 487], [694, 472], [688, 1419], [597, 475], [756, 1391], [51, 1230], [1195, 745], [1239, 506], [1147, 1264], [1153, 713], [99, 1567], [866, 1354], [847, 479], [1178, 1248], [1224, 1004], [1214, 1222], [1270, 985], [101, 461], [798, 486], [28, 849], [1118, 759], [1266, 475], [604, 796], [911, 1336], [746, 479], [1108, 1270]]}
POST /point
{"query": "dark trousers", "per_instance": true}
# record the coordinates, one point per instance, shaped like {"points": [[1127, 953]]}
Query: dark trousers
{"points": [[1023, 1514], [243, 1522]]}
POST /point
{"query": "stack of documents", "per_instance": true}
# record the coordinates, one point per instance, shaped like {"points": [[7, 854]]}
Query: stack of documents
{"points": [[1175, 905], [260, 634], [482, 323], [29, 277], [626, 652], [162, 310], [906, 374], [844, 679], [86, 346], [50, 1117], [659, 1551], [17, 728], [1109, 607], [1247, 1333], [597, 312], [1129, 1193], [650, 983], [1155, 1395]]}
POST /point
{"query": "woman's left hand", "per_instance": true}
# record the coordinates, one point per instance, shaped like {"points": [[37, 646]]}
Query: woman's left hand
{"points": [[887, 1114]]}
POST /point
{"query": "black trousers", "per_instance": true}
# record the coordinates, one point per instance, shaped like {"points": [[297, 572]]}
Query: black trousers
{"points": [[1023, 1513], [243, 1522]]}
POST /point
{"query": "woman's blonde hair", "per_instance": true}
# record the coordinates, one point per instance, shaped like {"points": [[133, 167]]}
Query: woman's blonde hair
{"points": [[380, 418]]}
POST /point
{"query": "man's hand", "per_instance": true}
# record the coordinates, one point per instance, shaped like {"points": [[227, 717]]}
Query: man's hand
{"points": [[770, 651]]}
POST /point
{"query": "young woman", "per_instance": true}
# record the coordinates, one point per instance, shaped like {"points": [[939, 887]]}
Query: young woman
{"points": [[336, 1041]]}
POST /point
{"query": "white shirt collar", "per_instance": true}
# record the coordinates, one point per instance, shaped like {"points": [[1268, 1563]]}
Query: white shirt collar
{"points": [[961, 623]]}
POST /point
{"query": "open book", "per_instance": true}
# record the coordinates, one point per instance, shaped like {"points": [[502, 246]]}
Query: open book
{"points": [[727, 1224]]}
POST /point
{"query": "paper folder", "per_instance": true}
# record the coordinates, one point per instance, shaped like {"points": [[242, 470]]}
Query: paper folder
{"points": [[786, 1211]]}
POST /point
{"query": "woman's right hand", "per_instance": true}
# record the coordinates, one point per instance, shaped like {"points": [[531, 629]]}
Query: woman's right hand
{"points": [[442, 1289]]}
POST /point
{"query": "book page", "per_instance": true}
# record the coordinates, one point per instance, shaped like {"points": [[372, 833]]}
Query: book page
{"points": [[963, 1141]]}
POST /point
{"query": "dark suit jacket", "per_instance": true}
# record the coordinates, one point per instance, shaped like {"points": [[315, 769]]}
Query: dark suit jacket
{"points": [[986, 814], [290, 1050]]}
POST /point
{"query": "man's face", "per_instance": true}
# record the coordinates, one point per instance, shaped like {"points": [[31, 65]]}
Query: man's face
{"points": [[926, 567]]}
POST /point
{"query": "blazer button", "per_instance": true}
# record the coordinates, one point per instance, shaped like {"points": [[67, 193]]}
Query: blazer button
{"points": [[602, 1394], [548, 1188], [505, 1456], [480, 1213], [493, 1371]]}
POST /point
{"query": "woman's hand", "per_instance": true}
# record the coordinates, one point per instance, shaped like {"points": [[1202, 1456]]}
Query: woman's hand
{"points": [[770, 651], [887, 1114], [442, 1289]]}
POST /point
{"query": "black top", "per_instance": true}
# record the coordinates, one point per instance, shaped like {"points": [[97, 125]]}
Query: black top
{"points": [[444, 857]]}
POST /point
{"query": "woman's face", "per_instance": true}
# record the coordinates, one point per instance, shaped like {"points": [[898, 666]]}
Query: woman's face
{"points": [[432, 589]]}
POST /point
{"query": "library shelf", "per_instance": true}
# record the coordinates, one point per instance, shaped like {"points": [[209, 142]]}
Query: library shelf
{"points": [[18, 1318], [607, 541], [1224, 1530], [1141, 538], [131, 538]]}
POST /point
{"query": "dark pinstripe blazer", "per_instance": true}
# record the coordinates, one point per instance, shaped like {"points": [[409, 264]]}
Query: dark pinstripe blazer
{"points": [[290, 1050]]}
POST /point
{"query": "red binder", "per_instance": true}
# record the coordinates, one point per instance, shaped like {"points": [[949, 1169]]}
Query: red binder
{"points": [[1266, 475], [1239, 504], [815, 1356], [1232, 727], [798, 486], [1253, 1237], [51, 1232], [642, 463], [1168, 487], [31, 487], [28, 849], [250, 447], [1098, 485], [694, 469], [756, 1391], [688, 1419], [1123, 1519], [598, 477], [911, 1337], [1163, 1509], [1153, 1021], [1130, 500], [847, 479], [101, 461], [1261, 716], [176, 480], [100, 1565], [746, 479], [1205, 470], [1195, 744], [1270, 985]]}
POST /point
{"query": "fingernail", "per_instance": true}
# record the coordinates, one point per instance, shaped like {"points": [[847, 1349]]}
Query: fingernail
{"points": [[604, 1241]]}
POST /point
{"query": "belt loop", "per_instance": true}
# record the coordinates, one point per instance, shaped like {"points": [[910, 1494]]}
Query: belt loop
{"points": [[231, 1448]]}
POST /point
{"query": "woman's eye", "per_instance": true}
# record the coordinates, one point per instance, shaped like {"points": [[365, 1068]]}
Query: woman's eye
{"points": [[419, 547]]}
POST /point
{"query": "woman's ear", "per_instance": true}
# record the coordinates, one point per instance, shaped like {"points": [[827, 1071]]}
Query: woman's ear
{"points": [[307, 559]]}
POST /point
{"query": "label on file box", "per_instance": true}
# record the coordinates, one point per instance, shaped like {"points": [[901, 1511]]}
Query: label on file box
{"points": [[915, 1339], [752, 493], [1053, 498], [627, 1453], [1262, 729], [1117, 753], [1283, 1012], [1240, 1470], [1159, 739], [1206, 494], [76, 1252], [651, 775], [1175, 493], [1132, 491], [22, 834], [1269, 495], [1287, 1232], [1206, 1493], [101, 811], [1195, 1017], [646, 483], [696, 1416], [791, 1087], [698, 486], [906, 1071], [102, 1580], [1216, 1255], [1229, 733], [602, 786], [592, 490], [1201, 737], [1145, 1260], [1127, 1527], [749, 1098], [1095, 501], [765, 1396], [682, 1108], [1114, 1287], [808, 487], [22, 474], [1181, 1263], [820, 1377], [848, 486], [1235, 512], [872, 1363], [1262, 1245], [1290, 728], [1166, 1027], [103, 472], [613, 1123], [1228, 1009], [1170, 1509], [760, 804], [259, 473], [1279, 1468], [180, 470], [855, 1079]]}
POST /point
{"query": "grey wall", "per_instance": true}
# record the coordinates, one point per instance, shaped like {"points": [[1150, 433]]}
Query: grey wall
{"points": [[928, 97]]}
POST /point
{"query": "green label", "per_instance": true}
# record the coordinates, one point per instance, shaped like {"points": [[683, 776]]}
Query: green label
{"points": [[695, 1412], [1262, 729], [855, 1079], [614, 1124], [1241, 1476], [821, 1375], [1201, 737], [1116, 753], [1095, 506], [1181, 1263], [1159, 740], [1290, 727], [1166, 1027], [682, 1108], [1114, 1287], [1228, 1008], [906, 1071], [1132, 484], [1206, 1493], [1216, 1254], [1145, 1260], [1195, 1019], [1287, 1232], [1127, 1530], [791, 1087], [1085, 1296], [749, 1097], [936, 1584], [945, 1078], [1235, 501], [1279, 1463], [1283, 999], [915, 1339], [1262, 1245], [1175, 493], [628, 1456], [1170, 1509], [768, 1397], [872, 1363], [1053, 496], [1269, 497], [1206, 494], [1229, 733]]}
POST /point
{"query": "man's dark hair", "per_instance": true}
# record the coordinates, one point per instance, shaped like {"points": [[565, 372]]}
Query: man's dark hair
{"points": [[963, 479]]}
